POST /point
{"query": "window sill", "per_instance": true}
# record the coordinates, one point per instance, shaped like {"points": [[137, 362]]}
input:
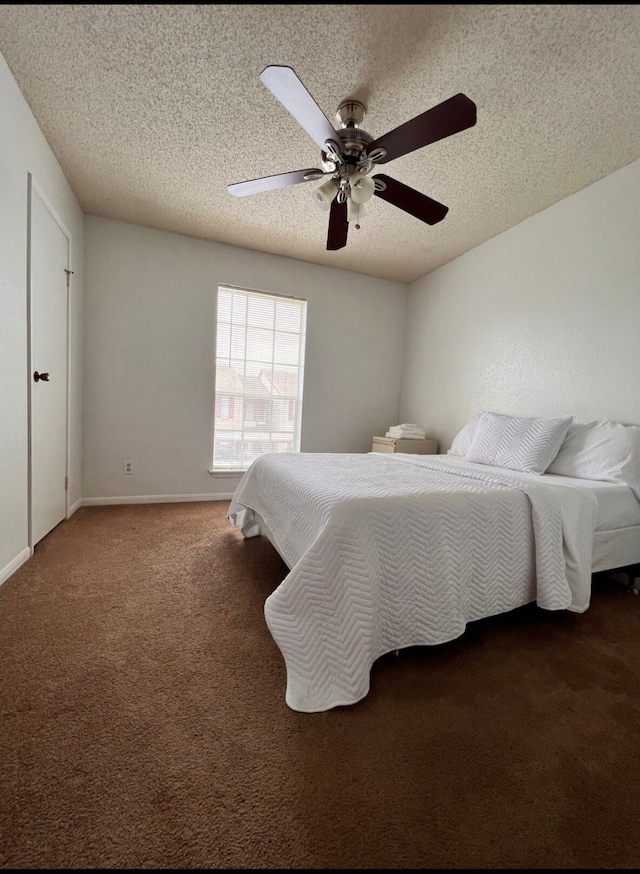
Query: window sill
{"points": [[223, 474]]}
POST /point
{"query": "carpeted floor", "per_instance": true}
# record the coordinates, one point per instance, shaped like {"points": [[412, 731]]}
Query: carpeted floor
{"points": [[144, 723]]}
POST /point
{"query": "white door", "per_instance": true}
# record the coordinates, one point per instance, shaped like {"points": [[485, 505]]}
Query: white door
{"points": [[49, 263]]}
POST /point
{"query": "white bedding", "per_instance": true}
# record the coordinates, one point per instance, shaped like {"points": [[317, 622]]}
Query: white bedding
{"points": [[390, 551], [618, 506]]}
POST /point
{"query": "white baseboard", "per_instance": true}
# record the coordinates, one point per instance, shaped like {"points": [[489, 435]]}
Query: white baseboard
{"points": [[74, 507], [152, 499], [13, 565]]}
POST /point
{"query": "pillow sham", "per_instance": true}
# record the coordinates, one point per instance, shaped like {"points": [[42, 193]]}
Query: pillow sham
{"points": [[601, 450], [517, 442], [462, 440]]}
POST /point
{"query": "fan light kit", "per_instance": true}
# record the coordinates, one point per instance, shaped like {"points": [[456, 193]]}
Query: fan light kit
{"points": [[349, 155]]}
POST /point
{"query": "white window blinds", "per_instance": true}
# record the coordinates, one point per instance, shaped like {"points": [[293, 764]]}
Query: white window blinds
{"points": [[260, 340]]}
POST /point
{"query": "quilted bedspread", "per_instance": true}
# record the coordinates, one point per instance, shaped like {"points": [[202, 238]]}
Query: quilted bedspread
{"points": [[389, 550]]}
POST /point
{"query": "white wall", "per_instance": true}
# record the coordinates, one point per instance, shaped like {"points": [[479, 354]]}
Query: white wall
{"points": [[541, 320], [23, 149], [149, 356]]}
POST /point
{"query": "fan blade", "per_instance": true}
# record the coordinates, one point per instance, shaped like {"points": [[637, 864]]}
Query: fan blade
{"points": [[338, 225], [411, 201], [450, 117], [266, 183], [289, 90]]}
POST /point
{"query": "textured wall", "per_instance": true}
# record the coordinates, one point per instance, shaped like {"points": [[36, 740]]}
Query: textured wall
{"points": [[149, 360], [543, 319]]}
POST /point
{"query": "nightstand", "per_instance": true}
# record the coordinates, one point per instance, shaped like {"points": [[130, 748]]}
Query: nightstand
{"points": [[402, 444]]}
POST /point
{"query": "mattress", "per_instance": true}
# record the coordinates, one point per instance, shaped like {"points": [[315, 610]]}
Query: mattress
{"points": [[615, 549], [616, 542], [618, 507]]}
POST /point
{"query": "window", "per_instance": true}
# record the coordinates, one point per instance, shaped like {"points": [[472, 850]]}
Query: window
{"points": [[260, 340], [224, 407]]}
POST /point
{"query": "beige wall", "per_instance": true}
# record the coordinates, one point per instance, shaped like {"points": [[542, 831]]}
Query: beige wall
{"points": [[24, 150], [149, 356], [542, 320]]}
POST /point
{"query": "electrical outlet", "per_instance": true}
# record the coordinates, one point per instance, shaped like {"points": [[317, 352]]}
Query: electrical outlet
{"points": [[128, 467]]}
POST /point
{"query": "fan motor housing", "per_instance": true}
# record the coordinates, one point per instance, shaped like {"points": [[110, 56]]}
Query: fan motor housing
{"points": [[354, 140]]}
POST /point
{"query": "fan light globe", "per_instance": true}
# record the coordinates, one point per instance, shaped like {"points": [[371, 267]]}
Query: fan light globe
{"points": [[362, 187], [355, 211], [325, 194]]}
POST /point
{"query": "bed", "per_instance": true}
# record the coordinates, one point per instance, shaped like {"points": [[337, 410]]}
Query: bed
{"points": [[390, 551]]}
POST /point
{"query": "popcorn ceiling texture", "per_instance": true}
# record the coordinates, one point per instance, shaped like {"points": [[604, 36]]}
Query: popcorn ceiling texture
{"points": [[153, 110]]}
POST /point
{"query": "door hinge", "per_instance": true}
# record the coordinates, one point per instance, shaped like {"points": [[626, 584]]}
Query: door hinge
{"points": [[68, 272], [66, 483]]}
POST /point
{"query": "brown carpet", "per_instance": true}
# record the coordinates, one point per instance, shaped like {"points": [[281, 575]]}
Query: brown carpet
{"points": [[144, 723]]}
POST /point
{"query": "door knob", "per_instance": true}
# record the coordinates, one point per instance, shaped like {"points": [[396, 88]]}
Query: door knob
{"points": [[41, 376]]}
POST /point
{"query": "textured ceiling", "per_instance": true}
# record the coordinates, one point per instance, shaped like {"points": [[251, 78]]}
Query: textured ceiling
{"points": [[153, 110]]}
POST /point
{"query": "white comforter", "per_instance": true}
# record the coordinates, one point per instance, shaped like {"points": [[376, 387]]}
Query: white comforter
{"points": [[390, 551]]}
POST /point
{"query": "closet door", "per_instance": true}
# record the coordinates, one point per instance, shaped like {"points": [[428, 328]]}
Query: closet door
{"points": [[49, 263]]}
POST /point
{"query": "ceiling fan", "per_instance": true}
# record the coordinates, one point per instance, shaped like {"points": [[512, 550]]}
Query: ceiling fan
{"points": [[350, 154]]}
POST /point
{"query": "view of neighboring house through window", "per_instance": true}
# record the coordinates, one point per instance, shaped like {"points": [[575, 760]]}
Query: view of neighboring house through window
{"points": [[260, 342]]}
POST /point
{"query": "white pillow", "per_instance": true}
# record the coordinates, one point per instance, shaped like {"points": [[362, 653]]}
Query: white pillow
{"points": [[462, 440], [517, 442], [600, 450]]}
